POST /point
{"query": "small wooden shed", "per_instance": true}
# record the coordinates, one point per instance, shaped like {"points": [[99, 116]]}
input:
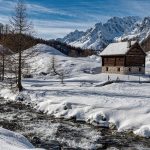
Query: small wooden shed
{"points": [[123, 58]]}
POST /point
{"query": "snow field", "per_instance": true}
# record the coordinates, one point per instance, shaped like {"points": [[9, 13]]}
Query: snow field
{"points": [[124, 105]]}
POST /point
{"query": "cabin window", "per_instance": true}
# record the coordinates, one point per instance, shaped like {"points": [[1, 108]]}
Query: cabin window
{"points": [[140, 69], [129, 69], [118, 69], [106, 68]]}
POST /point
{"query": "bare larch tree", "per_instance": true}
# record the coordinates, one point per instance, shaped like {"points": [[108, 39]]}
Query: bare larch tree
{"points": [[20, 26]]}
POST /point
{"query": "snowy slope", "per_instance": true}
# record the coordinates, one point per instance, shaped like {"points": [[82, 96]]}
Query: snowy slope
{"points": [[101, 35], [41, 61], [125, 105], [42, 55], [14, 141]]}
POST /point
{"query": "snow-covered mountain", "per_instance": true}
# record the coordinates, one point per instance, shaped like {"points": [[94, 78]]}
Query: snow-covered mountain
{"points": [[115, 29], [140, 31], [72, 36], [101, 35]]}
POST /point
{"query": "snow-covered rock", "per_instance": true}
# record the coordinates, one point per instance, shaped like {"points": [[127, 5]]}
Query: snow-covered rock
{"points": [[14, 141], [144, 131]]}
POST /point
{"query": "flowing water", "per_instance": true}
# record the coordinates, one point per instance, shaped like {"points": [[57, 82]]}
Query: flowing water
{"points": [[44, 131]]}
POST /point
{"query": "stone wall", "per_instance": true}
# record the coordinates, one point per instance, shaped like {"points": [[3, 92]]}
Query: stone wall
{"points": [[110, 69], [134, 70], [123, 70]]}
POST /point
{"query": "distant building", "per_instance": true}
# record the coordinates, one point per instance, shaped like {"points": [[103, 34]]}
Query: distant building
{"points": [[123, 58]]}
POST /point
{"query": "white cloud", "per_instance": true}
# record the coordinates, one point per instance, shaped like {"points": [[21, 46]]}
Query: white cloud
{"points": [[4, 19], [6, 6], [43, 9], [56, 29], [135, 7]]}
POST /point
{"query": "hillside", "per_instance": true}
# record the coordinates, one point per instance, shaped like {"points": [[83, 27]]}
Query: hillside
{"points": [[42, 61], [8, 40]]}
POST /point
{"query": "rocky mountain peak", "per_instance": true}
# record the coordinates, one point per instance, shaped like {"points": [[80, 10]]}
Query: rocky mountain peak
{"points": [[115, 28]]}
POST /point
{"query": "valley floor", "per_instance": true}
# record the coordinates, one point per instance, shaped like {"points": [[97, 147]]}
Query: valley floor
{"points": [[122, 105]]}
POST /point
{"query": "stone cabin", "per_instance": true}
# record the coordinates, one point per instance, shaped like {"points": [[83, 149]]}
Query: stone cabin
{"points": [[123, 58]]}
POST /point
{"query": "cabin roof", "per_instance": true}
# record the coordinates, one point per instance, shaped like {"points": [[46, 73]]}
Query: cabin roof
{"points": [[120, 48]]}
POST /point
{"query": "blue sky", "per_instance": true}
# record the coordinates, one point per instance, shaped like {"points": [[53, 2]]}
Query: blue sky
{"points": [[56, 18]]}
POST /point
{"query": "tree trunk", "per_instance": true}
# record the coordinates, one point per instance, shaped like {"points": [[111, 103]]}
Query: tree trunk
{"points": [[20, 73], [20, 88], [3, 67]]}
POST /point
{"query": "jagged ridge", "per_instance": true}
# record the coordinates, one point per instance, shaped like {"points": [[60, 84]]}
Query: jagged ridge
{"points": [[101, 35]]}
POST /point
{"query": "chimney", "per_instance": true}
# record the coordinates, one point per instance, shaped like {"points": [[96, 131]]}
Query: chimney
{"points": [[129, 44]]}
